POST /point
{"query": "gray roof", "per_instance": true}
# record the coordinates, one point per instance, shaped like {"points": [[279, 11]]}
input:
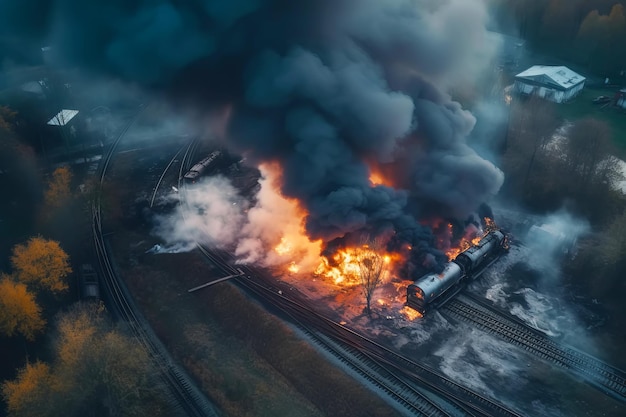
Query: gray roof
{"points": [[63, 117], [555, 76]]}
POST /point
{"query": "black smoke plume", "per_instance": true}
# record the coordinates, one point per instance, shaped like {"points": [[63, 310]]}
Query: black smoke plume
{"points": [[324, 87]]}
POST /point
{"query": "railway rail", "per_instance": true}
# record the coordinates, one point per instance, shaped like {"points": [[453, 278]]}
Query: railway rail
{"points": [[610, 380], [462, 398], [401, 378], [406, 395], [185, 398]]}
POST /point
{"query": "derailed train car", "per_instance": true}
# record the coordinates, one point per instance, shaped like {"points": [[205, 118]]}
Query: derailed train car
{"points": [[202, 167], [432, 289]]}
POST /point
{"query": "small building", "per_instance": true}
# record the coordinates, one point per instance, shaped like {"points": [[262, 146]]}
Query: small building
{"points": [[62, 118], [554, 83], [65, 125]]}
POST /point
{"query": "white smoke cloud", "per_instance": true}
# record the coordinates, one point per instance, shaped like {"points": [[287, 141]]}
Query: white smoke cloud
{"points": [[274, 221], [552, 238], [213, 213]]}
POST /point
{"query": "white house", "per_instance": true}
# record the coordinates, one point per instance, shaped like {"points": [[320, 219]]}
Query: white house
{"points": [[554, 83]]}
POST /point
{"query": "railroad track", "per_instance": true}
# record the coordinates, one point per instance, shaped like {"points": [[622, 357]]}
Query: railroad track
{"points": [[610, 380], [461, 398], [409, 397], [406, 395], [185, 398], [389, 371]]}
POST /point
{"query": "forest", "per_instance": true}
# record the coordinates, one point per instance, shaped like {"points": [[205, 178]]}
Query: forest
{"points": [[590, 33]]}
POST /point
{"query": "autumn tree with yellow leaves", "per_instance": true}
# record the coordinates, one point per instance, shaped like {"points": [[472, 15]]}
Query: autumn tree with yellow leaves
{"points": [[97, 370], [41, 263], [19, 312], [28, 394], [59, 188]]}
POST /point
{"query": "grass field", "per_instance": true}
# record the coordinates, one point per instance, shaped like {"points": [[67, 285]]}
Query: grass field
{"points": [[583, 106]]}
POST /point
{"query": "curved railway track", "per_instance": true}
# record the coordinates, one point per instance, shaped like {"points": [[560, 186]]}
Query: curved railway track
{"points": [[610, 380], [407, 396], [468, 401], [402, 379], [359, 350], [185, 398]]}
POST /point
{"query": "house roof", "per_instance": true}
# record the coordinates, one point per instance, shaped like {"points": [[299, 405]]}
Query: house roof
{"points": [[555, 76], [63, 117]]}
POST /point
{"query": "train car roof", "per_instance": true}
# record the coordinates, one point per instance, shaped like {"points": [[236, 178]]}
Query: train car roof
{"points": [[482, 242], [431, 283], [191, 174]]}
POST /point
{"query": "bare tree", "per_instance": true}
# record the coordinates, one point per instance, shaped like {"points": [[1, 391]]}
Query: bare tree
{"points": [[588, 153], [613, 243], [532, 124], [371, 269]]}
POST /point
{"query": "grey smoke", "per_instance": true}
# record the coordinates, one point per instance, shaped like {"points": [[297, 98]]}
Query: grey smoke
{"points": [[322, 87], [552, 239], [213, 216]]}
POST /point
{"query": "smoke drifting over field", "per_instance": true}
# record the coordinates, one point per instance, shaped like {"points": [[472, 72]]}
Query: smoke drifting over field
{"points": [[553, 238], [329, 90]]}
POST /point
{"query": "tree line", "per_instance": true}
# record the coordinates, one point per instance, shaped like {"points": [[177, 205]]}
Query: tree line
{"points": [[39, 266], [549, 161], [96, 369], [92, 366], [550, 164], [587, 32]]}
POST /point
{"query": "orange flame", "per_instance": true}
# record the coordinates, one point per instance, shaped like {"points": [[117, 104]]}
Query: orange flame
{"points": [[293, 267], [463, 245], [291, 246], [466, 242], [378, 178], [410, 314], [343, 266], [294, 252]]}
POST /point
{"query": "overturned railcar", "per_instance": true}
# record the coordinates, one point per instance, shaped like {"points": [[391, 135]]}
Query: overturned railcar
{"points": [[202, 167], [435, 288]]}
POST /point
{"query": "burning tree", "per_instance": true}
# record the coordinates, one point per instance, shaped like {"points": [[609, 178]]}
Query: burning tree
{"points": [[371, 267]]}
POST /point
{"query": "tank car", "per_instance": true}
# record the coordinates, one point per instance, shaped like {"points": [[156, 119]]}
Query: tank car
{"points": [[430, 288], [198, 169], [473, 257]]}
